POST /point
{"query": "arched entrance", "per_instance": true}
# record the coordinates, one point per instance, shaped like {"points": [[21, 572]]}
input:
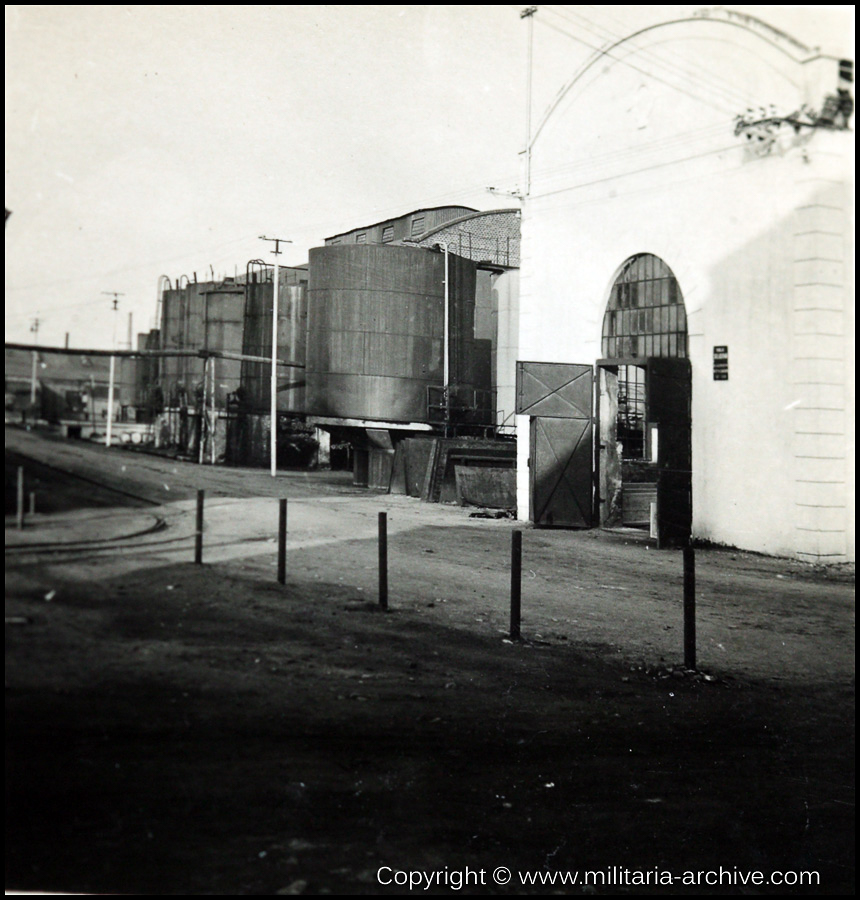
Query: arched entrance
{"points": [[644, 390]]}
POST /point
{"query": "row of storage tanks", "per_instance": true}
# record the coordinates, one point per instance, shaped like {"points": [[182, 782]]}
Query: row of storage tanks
{"points": [[366, 321]]}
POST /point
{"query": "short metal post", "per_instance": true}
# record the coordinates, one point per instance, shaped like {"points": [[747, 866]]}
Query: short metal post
{"points": [[516, 582], [282, 541], [32, 502], [689, 608], [20, 497], [383, 560], [198, 535]]}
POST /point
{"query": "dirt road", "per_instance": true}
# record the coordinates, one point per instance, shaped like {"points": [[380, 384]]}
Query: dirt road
{"points": [[177, 728]]}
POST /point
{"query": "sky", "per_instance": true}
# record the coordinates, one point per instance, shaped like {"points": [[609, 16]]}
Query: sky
{"points": [[153, 140]]}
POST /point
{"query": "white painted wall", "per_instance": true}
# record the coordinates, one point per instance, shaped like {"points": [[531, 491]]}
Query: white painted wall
{"points": [[760, 248]]}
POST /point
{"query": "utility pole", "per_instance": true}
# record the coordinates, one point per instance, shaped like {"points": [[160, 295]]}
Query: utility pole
{"points": [[528, 13], [273, 428], [115, 307], [111, 377], [34, 363]]}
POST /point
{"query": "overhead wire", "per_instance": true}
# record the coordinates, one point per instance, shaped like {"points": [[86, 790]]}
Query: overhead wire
{"points": [[58, 282], [698, 76], [602, 52], [594, 162], [660, 165], [591, 164], [730, 171]]}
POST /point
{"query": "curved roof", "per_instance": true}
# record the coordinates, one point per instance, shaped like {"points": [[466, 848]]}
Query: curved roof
{"points": [[459, 220]]}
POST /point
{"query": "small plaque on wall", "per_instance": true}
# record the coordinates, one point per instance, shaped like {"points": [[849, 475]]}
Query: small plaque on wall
{"points": [[721, 363]]}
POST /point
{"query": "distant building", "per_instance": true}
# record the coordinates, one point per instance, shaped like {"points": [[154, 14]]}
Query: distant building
{"points": [[411, 225], [71, 391], [492, 240]]}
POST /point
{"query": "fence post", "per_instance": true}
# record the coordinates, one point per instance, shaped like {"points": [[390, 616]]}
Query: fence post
{"points": [[689, 608], [383, 560], [282, 541], [516, 582], [198, 535]]}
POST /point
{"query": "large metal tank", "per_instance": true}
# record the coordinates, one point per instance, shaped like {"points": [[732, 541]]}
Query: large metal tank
{"points": [[257, 340], [201, 316], [375, 330]]}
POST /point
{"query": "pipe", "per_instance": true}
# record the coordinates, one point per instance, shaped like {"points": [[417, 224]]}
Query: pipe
{"points": [[155, 354]]}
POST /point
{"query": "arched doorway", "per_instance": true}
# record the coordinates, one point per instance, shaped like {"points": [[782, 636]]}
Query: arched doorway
{"points": [[644, 391]]}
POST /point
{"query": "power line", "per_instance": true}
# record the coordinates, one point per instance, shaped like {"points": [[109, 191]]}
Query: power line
{"points": [[59, 282], [698, 76], [594, 162], [601, 52], [579, 203], [660, 165]]}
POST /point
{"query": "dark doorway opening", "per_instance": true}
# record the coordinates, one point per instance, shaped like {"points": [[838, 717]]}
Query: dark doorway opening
{"points": [[644, 458]]}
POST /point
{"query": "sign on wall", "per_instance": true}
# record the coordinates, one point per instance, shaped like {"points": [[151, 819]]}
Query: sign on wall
{"points": [[721, 363]]}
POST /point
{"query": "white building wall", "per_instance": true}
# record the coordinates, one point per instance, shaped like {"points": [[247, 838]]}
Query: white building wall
{"points": [[759, 247]]}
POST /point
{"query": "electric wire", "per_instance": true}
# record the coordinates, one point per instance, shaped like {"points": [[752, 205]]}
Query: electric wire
{"points": [[592, 164], [660, 165], [600, 52], [700, 76]]}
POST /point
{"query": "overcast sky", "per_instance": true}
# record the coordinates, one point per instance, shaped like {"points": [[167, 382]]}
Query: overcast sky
{"points": [[154, 140]]}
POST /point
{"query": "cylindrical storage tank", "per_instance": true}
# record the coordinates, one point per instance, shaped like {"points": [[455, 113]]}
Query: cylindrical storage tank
{"points": [[375, 329], [257, 339]]}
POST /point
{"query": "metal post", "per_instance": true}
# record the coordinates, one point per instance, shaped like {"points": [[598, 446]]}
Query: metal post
{"points": [[198, 534], [528, 13], [383, 560], [214, 426], [20, 497], [516, 582], [111, 376], [273, 438], [282, 541], [32, 502], [689, 608]]}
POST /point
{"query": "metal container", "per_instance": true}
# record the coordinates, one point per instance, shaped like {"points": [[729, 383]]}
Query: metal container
{"points": [[375, 330], [257, 341]]}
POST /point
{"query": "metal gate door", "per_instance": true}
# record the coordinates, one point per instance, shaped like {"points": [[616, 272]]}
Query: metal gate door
{"points": [[558, 397]]}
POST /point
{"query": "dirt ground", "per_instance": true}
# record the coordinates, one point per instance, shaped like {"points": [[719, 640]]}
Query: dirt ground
{"points": [[173, 728]]}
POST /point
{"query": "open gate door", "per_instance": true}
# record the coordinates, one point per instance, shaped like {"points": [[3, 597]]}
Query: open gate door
{"points": [[558, 397]]}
